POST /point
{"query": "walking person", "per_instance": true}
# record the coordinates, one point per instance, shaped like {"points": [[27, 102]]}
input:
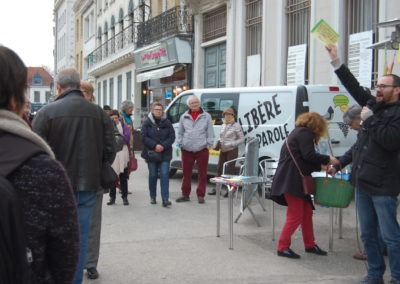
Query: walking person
{"points": [[126, 113], [122, 133], [158, 135], [287, 189], [195, 137], [376, 168], [80, 135], [230, 138], [44, 196], [93, 252]]}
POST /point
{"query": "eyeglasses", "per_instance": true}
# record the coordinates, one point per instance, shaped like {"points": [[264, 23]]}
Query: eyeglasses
{"points": [[383, 86]]}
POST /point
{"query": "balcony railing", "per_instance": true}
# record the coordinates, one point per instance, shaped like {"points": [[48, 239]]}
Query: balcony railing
{"points": [[172, 22], [112, 46]]}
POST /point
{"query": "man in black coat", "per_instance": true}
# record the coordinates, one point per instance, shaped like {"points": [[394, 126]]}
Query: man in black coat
{"points": [[80, 134], [376, 168]]}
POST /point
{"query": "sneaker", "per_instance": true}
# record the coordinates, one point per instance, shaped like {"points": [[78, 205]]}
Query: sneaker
{"points": [[92, 273], [111, 202], [183, 199], [372, 280], [153, 201], [166, 203], [201, 199]]}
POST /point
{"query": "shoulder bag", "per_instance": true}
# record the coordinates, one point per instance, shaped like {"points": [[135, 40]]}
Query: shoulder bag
{"points": [[307, 181]]}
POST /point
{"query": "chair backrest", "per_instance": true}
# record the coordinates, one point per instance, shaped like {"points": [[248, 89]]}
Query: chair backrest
{"points": [[250, 167]]}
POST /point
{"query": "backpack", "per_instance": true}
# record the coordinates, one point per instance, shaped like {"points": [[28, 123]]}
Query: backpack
{"points": [[15, 256]]}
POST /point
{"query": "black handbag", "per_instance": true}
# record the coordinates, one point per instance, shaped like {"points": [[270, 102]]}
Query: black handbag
{"points": [[153, 156], [109, 177]]}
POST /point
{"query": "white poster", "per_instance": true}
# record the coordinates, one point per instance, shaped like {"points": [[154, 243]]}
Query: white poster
{"points": [[296, 64], [253, 70], [360, 58]]}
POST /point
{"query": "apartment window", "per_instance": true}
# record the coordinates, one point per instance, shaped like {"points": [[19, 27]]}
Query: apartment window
{"points": [[48, 96], [99, 92], [119, 89], [112, 92], [214, 24], [104, 92], [128, 85], [36, 96], [253, 26], [37, 80], [362, 15], [298, 16]]}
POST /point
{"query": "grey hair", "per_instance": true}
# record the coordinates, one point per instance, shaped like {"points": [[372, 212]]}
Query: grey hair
{"points": [[68, 78], [191, 97], [125, 105], [352, 113]]}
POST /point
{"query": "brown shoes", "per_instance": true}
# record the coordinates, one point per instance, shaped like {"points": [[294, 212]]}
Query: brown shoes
{"points": [[360, 256]]}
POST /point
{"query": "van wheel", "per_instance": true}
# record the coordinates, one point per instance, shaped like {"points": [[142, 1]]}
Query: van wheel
{"points": [[172, 172]]}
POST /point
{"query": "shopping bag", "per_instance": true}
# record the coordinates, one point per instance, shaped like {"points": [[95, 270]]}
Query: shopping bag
{"points": [[333, 191]]}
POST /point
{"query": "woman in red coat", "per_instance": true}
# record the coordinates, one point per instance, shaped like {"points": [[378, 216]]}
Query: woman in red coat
{"points": [[287, 187]]}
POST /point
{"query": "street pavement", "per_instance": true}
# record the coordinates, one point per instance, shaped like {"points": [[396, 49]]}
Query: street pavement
{"points": [[145, 243]]}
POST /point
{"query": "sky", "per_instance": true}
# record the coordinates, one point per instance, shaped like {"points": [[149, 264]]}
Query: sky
{"points": [[26, 26]]}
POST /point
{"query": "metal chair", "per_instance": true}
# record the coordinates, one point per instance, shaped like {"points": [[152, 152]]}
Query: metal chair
{"points": [[249, 169], [268, 169]]}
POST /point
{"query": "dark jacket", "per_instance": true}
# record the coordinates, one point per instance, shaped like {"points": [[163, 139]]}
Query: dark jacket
{"points": [[48, 209], [376, 164], [287, 178], [158, 133], [347, 158], [81, 136]]}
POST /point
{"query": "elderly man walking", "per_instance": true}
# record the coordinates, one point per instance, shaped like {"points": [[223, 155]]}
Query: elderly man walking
{"points": [[80, 134]]}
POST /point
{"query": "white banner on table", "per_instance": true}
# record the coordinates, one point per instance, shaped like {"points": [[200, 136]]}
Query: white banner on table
{"points": [[296, 64], [360, 58]]}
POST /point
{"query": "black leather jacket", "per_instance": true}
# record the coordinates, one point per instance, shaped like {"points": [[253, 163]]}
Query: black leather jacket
{"points": [[376, 163], [81, 136]]}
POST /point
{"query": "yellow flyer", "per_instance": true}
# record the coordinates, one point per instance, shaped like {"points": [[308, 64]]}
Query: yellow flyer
{"points": [[324, 33]]}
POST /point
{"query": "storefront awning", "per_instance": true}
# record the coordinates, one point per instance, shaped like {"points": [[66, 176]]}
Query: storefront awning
{"points": [[155, 74]]}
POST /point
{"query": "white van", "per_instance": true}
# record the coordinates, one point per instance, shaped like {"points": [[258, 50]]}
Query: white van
{"points": [[269, 113]]}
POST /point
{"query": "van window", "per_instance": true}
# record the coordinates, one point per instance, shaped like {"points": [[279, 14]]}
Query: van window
{"points": [[215, 104], [178, 108]]}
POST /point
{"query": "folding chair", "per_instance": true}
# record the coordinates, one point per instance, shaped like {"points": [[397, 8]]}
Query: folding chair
{"points": [[249, 169], [268, 169]]}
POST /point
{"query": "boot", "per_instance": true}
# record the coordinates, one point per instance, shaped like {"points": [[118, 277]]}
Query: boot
{"points": [[125, 201], [111, 202]]}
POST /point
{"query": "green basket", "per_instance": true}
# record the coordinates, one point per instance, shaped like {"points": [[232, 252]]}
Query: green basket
{"points": [[333, 192]]}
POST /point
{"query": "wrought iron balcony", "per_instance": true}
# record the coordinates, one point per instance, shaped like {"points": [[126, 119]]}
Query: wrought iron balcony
{"points": [[172, 22], [120, 41]]}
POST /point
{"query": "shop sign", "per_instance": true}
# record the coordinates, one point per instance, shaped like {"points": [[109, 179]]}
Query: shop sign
{"points": [[154, 56]]}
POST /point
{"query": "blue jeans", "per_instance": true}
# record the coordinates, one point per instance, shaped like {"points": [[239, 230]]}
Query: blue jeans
{"points": [[379, 211], [161, 168], [85, 201]]}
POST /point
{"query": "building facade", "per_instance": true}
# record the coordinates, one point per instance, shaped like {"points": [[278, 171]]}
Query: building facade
{"points": [[39, 85], [64, 34], [148, 50]]}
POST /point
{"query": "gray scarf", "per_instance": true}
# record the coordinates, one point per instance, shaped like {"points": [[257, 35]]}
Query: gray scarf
{"points": [[12, 123]]}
